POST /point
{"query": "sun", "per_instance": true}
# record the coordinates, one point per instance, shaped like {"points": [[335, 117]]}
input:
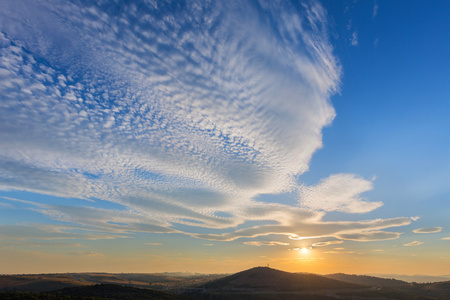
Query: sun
{"points": [[304, 250]]}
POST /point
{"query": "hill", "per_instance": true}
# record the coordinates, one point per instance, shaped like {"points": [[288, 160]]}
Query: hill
{"points": [[99, 291], [264, 278], [415, 278], [114, 292], [37, 283], [368, 280]]}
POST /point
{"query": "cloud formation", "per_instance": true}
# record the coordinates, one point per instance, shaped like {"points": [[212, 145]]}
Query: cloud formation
{"points": [[428, 230], [413, 244], [265, 243], [175, 114], [354, 39], [339, 192], [322, 244], [375, 10], [370, 236]]}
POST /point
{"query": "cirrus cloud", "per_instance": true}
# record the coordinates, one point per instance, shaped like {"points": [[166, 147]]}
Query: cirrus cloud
{"points": [[266, 243], [370, 236], [322, 244], [181, 115], [413, 244], [428, 230]]}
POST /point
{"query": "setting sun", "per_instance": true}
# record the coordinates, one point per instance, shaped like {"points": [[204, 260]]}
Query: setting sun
{"points": [[304, 250]]}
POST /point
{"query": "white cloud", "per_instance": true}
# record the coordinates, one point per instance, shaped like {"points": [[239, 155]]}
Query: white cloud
{"points": [[340, 252], [85, 253], [428, 230], [6, 205], [370, 236], [174, 119], [52, 232], [322, 244], [413, 244], [266, 243], [220, 116], [354, 39], [375, 10], [317, 228], [339, 192]]}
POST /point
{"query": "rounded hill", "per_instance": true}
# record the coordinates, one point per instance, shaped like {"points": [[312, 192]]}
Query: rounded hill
{"points": [[265, 278]]}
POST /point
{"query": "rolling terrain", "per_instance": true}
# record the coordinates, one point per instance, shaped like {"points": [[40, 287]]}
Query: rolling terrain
{"points": [[255, 283], [368, 280], [264, 278]]}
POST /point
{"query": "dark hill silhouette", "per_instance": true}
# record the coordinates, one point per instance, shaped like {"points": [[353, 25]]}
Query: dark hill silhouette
{"points": [[264, 278], [368, 280], [114, 292]]}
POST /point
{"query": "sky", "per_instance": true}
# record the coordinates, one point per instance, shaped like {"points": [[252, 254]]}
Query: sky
{"points": [[216, 136]]}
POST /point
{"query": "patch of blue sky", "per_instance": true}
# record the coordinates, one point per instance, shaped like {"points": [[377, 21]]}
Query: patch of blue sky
{"points": [[39, 198], [91, 175], [284, 198], [149, 175], [117, 223], [16, 213], [223, 214]]}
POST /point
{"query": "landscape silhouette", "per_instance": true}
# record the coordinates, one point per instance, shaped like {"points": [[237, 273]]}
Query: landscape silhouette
{"points": [[254, 283]]}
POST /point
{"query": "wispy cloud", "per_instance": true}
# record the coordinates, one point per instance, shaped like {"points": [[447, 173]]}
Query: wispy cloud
{"points": [[354, 39], [180, 115], [266, 243], [413, 244], [6, 205], [52, 232], [428, 230], [86, 253], [322, 244], [340, 252], [370, 236], [375, 10], [339, 192]]}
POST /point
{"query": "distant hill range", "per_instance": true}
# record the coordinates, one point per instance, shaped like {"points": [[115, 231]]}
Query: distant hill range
{"points": [[253, 284], [264, 278], [368, 280], [415, 278]]}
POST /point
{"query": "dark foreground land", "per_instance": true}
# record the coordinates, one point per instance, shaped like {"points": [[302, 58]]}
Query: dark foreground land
{"points": [[256, 283]]}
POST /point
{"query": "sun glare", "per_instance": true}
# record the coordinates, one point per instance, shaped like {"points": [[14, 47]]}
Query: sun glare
{"points": [[304, 250]]}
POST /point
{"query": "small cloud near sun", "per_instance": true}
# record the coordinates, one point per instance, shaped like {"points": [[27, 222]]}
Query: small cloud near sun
{"points": [[322, 244], [413, 244], [264, 243]]}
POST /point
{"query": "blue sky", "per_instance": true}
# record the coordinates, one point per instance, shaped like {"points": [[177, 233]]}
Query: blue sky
{"points": [[219, 135]]}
